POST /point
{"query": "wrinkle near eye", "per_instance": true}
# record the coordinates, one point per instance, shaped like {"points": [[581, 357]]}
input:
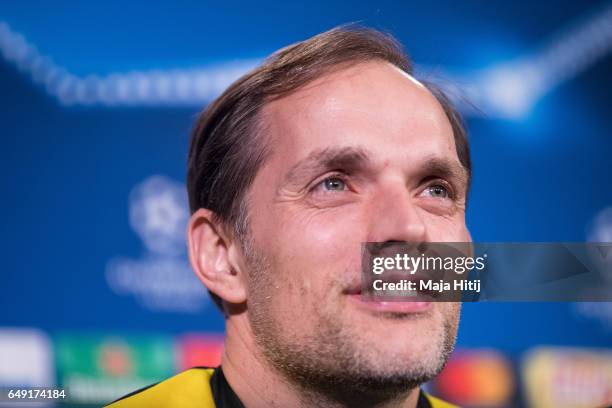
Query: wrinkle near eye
{"points": [[287, 194]]}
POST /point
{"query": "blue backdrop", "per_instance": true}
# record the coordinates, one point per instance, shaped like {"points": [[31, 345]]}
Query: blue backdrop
{"points": [[98, 101]]}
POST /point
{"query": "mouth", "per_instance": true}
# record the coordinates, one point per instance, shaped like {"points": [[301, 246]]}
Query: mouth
{"points": [[402, 302]]}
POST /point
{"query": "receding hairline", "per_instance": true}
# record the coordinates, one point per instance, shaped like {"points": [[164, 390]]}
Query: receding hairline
{"points": [[335, 73], [331, 72]]}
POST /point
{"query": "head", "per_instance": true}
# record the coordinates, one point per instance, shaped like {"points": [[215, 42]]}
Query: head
{"points": [[330, 143]]}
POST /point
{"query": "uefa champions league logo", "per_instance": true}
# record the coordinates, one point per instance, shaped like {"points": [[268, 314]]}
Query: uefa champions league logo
{"points": [[159, 215], [161, 279]]}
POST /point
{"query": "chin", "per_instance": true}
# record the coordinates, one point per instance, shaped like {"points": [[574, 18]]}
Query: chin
{"points": [[398, 345], [422, 356]]}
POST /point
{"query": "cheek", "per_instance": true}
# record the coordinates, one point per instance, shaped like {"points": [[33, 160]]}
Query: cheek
{"points": [[453, 311], [447, 229], [447, 315], [316, 250], [321, 232]]}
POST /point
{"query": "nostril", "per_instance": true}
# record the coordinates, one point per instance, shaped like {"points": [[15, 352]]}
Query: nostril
{"points": [[422, 247]]}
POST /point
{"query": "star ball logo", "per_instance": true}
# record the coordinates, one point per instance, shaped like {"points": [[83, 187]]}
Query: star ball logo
{"points": [[161, 278]]}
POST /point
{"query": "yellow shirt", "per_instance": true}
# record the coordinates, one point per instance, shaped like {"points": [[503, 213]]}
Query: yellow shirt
{"points": [[191, 389]]}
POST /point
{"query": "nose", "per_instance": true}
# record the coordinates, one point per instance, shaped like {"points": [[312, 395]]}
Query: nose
{"points": [[395, 217]]}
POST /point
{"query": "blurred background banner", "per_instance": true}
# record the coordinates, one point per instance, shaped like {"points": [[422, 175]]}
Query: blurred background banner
{"points": [[98, 100]]}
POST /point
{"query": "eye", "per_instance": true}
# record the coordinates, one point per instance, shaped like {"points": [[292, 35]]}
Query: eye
{"points": [[333, 183], [438, 191]]}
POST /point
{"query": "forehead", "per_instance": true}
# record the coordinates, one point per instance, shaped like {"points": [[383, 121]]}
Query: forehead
{"points": [[372, 105]]}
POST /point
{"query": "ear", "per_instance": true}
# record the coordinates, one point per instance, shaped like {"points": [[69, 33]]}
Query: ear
{"points": [[209, 249]]}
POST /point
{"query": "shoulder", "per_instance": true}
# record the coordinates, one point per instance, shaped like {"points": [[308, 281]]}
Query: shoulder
{"points": [[187, 389]]}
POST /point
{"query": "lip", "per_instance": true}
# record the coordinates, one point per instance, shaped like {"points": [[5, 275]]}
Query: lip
{"points": [[420, 302], [410, 307]]}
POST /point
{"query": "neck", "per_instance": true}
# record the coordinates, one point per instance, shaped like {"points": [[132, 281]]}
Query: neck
{"points": [[258, 384]]}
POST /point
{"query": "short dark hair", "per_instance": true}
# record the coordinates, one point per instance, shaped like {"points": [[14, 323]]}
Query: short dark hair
{"points": [[228, 144]]}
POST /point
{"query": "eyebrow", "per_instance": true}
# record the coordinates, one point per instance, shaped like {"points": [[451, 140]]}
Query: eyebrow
{"points": [[446, 169], [345, 158], [351, 159]]}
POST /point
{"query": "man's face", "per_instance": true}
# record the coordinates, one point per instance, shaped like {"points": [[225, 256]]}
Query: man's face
{"points": [[364, 154]]}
